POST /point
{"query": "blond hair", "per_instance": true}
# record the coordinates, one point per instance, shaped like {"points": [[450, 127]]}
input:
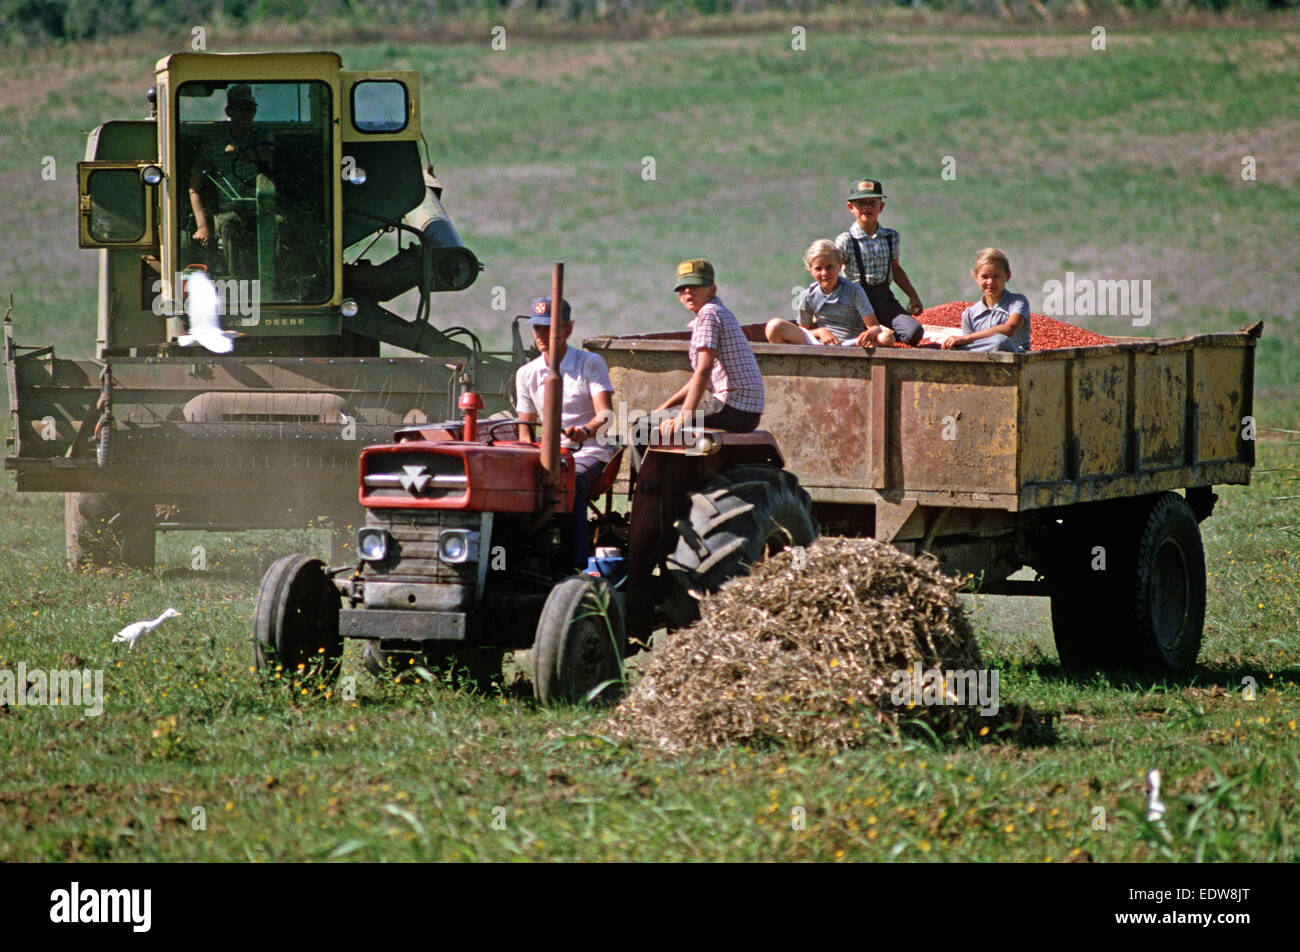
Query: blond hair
{"points": [[994, 256], [822, 248]]}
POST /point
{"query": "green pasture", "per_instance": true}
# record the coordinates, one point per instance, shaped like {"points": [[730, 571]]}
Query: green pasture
{"points": [[1123, 163]]}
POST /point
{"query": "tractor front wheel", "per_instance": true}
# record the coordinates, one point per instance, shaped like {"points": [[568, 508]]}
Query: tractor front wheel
{"points": [[296, 620], [581, 642]]}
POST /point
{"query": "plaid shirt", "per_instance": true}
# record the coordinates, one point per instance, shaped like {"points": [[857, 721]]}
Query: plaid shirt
{"points": [[735, 377], [874, 251], [237, 160]]}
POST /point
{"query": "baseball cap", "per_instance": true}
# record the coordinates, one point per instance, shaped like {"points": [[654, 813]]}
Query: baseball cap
{"points": [[866, 188], [542, 312], [694, 271], [240, 92]]}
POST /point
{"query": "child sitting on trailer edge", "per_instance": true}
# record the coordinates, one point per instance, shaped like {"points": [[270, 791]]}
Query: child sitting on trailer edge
{"points": [[1000, 320], [831, 310], [721, 361], [871, 253]]}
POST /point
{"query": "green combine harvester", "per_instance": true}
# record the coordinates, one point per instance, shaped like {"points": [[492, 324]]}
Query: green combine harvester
{"points": [[238, 370]]}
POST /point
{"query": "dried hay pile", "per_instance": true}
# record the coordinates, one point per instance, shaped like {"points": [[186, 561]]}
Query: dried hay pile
{"points": [[804, 652]]}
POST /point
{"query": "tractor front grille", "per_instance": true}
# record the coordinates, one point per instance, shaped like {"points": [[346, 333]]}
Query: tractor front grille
{"points": [[414, 476], [413, 550]]}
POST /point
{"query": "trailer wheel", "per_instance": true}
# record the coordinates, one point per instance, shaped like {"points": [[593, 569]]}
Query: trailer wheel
{"points": [[1169, 601], [1077, 626], [1092, 589], [102, 529], [740, 516], [580, 644], [296, 620]]}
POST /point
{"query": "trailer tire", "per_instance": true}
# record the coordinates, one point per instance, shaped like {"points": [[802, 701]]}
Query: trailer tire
{"points": [[740, 516], [296, 620], [1077, 618], [102, 529], [1092, 589], [581, 643], [1169, 597]]}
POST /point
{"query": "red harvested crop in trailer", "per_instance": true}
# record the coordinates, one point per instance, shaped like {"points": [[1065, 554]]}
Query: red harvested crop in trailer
{"points": [[1045, 333]]}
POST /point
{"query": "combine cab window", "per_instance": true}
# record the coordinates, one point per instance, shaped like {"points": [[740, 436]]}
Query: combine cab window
{"points": [[379, 105], [256, 158], [117, 210]]}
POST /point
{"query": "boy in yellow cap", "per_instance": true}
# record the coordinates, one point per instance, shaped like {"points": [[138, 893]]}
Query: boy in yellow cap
{"points": [[721, 360]]}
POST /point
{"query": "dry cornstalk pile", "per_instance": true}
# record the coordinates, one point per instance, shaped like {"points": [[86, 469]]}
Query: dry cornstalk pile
{"points": [[804, 652]]}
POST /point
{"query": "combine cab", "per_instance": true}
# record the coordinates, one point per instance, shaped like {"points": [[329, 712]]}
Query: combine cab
{"points": [[269, 182]]}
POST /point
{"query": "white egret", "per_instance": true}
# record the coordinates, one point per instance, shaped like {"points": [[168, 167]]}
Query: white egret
{"points": [[137, 630], [202, 304], [1155, 806]]}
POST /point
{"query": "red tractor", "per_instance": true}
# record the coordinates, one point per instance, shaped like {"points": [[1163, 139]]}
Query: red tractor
{"points": [[462, 554]]}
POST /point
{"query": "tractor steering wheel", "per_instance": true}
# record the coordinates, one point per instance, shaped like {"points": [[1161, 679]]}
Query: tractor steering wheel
{"points": [[495, 424]]}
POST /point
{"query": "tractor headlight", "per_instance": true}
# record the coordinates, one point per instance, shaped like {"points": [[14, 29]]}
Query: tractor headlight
{"points": [[349, 308], [372, 544], [151, 175], [458, 545]]}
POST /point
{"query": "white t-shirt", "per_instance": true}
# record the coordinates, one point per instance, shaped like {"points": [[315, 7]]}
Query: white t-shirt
{"points": [[584, 375]]}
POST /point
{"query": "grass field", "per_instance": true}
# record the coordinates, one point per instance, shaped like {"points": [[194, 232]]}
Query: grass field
{"points": [[1119, 164]]}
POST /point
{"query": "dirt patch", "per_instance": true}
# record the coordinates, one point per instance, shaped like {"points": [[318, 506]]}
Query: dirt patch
{"points": [[814, 650], [544, 64], [43, 87], [1011, 46], [1274, 151]]}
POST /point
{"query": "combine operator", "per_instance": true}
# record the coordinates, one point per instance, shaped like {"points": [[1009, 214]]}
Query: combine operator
{"points": [[587, 403], [235, 157]]}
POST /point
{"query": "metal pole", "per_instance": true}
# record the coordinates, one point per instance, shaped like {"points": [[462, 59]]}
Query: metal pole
{"points": [[552, 397]]}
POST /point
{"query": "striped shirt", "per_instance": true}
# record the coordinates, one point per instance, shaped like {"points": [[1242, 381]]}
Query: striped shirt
{"points": [[875, 251], [735, 378]]}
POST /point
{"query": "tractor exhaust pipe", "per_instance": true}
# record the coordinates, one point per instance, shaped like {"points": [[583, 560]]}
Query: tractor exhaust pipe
{"points": [[552, 400]]}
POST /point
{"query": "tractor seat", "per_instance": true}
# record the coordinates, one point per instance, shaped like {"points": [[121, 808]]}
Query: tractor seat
{"points": [[608, 475]]}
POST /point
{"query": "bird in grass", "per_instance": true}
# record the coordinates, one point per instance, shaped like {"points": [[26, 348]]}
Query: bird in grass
{"points": [[138, 629], [202, 304], [1155, 807]]}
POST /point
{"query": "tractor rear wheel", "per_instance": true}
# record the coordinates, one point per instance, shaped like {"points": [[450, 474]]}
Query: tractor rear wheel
{"points": [[296, 620], [103, 529], [581, 642], [740, 516]]}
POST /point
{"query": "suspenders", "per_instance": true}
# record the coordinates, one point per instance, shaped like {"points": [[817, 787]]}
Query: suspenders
{"points": [[862, 268]]}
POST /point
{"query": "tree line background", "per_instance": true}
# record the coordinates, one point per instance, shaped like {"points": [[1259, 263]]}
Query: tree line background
{"points": [[27, 21]]}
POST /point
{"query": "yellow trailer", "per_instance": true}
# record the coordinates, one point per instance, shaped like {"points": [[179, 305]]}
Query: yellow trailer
{"points": [[1067, 461]]}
